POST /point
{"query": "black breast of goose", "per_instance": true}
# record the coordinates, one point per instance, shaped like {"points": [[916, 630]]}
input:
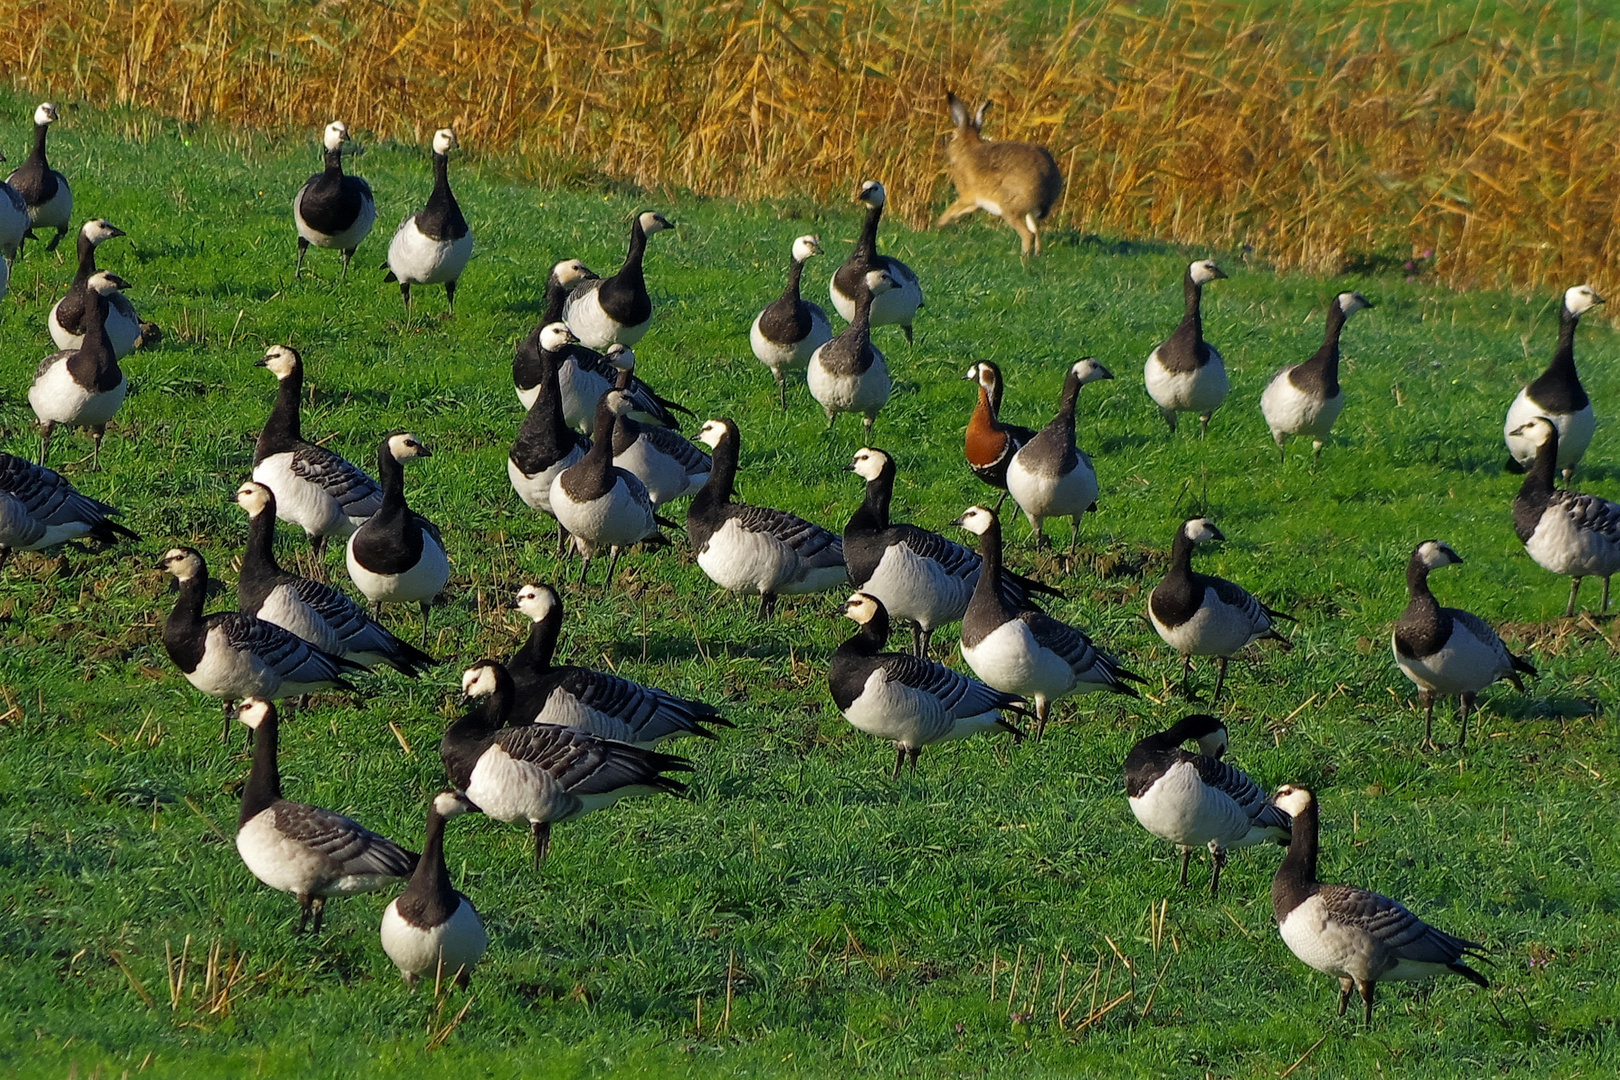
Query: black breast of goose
{"points": [[1306, 399], [40, 509], [1186, 374], [600, 504], [849, 374], [617, 309], [396, 557], [592, 701], [315, 611], [756, 549], [1198, 800], [790, 328], [301, 849], [1557, 395], [919, 576], [70, 318], [1027, 652], [900, 304], [1049, 477], [991, 444], [1565, 532], [82, 387], [546, 444], [332, 209], [1353, 934], [667, 463], [44, 190], [908, 700], [539, 773], [433, 245], [430, 928]]}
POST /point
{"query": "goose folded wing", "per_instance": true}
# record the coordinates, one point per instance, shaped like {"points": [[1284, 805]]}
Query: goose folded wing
{"points": [[284, 652], [955, 559], [1485, 633], [648, 711], [1087, 661], [1593, 514], [959, 695], [583, 764], [643, 398], [349, 486], [813, 543], [1241, 600], [347, 619], [677, 446], [1236, 785], [352, 848], [48, 497], [1394, 927]]}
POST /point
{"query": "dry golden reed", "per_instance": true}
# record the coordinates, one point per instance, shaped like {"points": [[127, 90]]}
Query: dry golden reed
{"points": [[1320, 139]]}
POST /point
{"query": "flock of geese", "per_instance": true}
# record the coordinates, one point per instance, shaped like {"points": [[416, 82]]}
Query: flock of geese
{"points": [[599, 450]]}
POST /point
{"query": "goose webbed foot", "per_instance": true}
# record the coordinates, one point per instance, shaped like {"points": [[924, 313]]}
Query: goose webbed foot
{"points": [[303, 248], [542, 841]]}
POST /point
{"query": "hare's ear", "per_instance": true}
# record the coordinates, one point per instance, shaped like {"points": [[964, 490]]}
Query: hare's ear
{"points": [[978, 118], [959, 113]]}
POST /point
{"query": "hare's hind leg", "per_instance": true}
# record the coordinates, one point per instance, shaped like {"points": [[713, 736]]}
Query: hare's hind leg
{"points": [[958, 210], [1028, 237]]}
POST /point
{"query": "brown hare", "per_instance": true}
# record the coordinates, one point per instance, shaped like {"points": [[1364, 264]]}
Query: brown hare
{"points": [[1015, 181]]}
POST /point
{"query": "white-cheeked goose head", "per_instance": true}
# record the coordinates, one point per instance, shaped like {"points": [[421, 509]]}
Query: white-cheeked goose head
{"points": [[652, 221], [1434, 554], [621, 356], [253, 497], [1538, 431], [1088, 370], [1214, 744], [554, 336], [336, 134], [1293, 800], [99, 230], [444, 141], [976, 520], [879, 282], [1581, 299], [282, 360], [107, 283], [45, 114], [404, 446], [712, 432], [255, 711], [571, 270], [479, 680], [869, 462], [1201, 530], [1204, 271], [618, 402], [1352, 302], [805, 247], [537, 601], [450, 804], [872, 194], [862, 607], [183, 562]]}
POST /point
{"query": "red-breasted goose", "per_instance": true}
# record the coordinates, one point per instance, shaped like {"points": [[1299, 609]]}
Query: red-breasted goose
{"points": [[602, 506], [82, 387], [1049, 477], [40, 509], [431, 930], [70, 318], [1565, 532], [397, 557], [1186, 373], [617, 309], [1556, 395], [44, 191], [433, 245], [897, 306], [1306, 399], [790, 328], [991, 444], [332, 209]]}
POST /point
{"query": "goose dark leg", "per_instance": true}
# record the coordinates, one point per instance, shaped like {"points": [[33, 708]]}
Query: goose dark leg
{"points": [[1043, 709], [450, 297], [1426, 697], [1569, 612], [1220, 678], [1605, 595], [899, 761], [584, 568], [1169, 419], [832, 418], [319, 909], [298, 267], [613, 562], [866, 422], [1186, 678], [1203, 425], [1466, 707], [317, 548], [781, 388], [97, 433], [46, 430], [916, 752], [1217, 859], [927, 639], [999, 500], [1074, 533], [225, 729], [305, 902], [562, 541], [1316, 454], [1282, 451], [918, 646], [405, 294], [767, 605], [542, 841], [427, 606], [376, 611], [906, 328], [1345, 986], [5, 554], [1186, 857], [347, 257], [1367, 1003], [57, 239]]}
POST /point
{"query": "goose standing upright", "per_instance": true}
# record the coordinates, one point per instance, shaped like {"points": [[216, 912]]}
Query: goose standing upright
{"points": [[617, 309], [991, 444], [848, 373], [545, 444], [1557, 395], [666, 462], [1565, 532], [39, 509], [69, 319], [1445, 650], [430, 928], [756, 549], [564, 277], [1353, 934], [600, 504], [396, 557], [1048, 476], [315, 488], [1186, 373], [82, 387], [902, 302], [44, 191], [790, 328], [301, 849], [1306, 399], [333, 210], [433, 245]]}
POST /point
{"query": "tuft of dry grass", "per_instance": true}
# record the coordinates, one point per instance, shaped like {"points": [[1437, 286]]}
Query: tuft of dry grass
{"points": [[1324, 141]]}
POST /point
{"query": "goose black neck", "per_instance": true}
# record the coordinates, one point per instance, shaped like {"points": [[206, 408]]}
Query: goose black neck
{"points": [[795, 273], [493, 711], [1069, 403], [430, 887], [1538, 479], [541, 644], [94, 364], [988, 589], [334, 164], [556, 297], [391, 474], [545, 416], [1327, 357], [1417, 580], [264, 782], [87, 261], [1188, 728], [1181, 553], [874, 511], [283, 426], [630, 273], [40, 130], [1193, 294], [598, 460], [1564, 356], [866, 245], [441, 205], [1297, 874], [717, 490], [260, 555], [870, 639]]}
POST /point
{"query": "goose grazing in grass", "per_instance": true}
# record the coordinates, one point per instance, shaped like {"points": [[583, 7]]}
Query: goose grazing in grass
{"points": [[1306, 399], [616, 310], [542, 774], [1565, 532], [1198, 800], [1186, 373], [39, 509], [433, 245], [396, 557], [316, 612], [333, 210], [301, 849], [44, 191], [991, 444], [756, 549], [919, 576], [592, 701], [14, 223], [1445, 650], [790, 328], [1357, 936], [848, 373], [430, 929], [82, 387], [232, 656], [1557, 395], [315, 488], [598, 503], [545, 446], [70, 318], [1201, 615], [908, 700], [667, 463], [902, 301], [1027, 652], [1048, 476]]}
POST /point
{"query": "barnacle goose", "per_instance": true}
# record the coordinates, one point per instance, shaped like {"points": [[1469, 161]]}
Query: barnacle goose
{"points": [[1186, 374], [1048, 476], [39, 509], [1355, 935], [583, 376], [617, 309], [1027, 652], [14, 223], [1565, 532], [790, 328], [919, 576], [69, 319], [1201, 615], [316, 612], [667, 463], [82, 387], [991, 445], [1445, 650], [1198, 800], [600, 504], [756, 549], [545, 446], [592, 701], [909, 700], [540, 773], [901, 303], [433, 245], [430, 928], [231, 656], [1557, 395], [44, 191], [332, 210], [1306, 399], [301, 849], [565, 276], [849, 374], [396, 557]]}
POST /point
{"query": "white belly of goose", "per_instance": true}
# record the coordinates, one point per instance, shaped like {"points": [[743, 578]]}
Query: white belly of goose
{"points": [[1197, 391], [616, 519], [897, 307], [123, 328], [420, 584], [418, 260], [301, 502], [1216, 629], [1290, 411], [229, 674], [535, 491], [56, 212], [865, 392], [349, 238], [1011, 660], [594, 327], [1182, 809], [1557, 545], [1043, 496], [662, 476], [457, 944], [899, 713], [1574, 430], [1463, 665], [55, 396], [919, 590]]}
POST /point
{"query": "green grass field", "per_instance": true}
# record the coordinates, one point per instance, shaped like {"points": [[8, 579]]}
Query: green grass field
{"points": [[800, 913]]}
